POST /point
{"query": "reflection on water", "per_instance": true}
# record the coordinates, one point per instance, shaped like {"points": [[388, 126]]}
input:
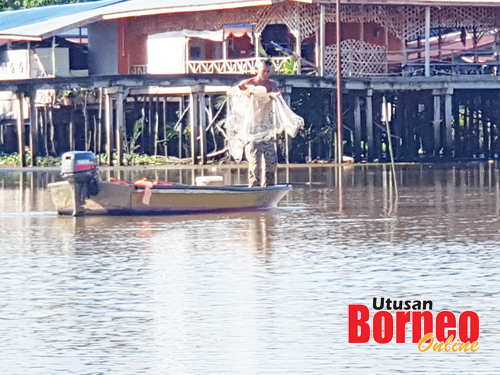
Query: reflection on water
{"points": [[248, 293]]}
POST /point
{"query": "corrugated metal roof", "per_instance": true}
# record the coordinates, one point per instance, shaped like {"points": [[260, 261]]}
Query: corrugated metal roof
{"points": [[44, 22], [133, 8], [22, 17]]}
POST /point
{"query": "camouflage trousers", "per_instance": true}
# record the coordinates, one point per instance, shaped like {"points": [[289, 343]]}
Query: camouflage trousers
{"points": [[262, 163]]}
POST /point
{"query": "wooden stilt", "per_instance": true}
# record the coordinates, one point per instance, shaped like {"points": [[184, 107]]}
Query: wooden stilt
{"points": [[52, 132], [164, 120], [203, 128], [44, 122], [288, 141], [369, 125], [181, 127], [458, 129], [400, 122], [144, 129], [86, 121], [20, 129], [71, 126], [485, 122], [377, 133], [151, 135], [2, 134], [193, 121], [109, 128], [357, 128], [156, 115], [120, 125], [96, 124], [437, 123], [33, 132], [448, 118]]}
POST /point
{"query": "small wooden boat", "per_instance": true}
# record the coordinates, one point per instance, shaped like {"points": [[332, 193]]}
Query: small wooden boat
{"points": [[83, 194], [118, 198]]}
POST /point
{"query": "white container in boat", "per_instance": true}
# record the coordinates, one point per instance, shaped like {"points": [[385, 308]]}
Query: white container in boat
{"points": [[209, 181]]}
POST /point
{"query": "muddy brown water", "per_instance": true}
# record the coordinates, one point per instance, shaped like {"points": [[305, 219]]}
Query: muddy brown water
{"points": [[249, 293]]}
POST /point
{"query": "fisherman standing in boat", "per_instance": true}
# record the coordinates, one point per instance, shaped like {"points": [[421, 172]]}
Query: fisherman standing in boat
{"points": [[249, 126], [260, 147]]}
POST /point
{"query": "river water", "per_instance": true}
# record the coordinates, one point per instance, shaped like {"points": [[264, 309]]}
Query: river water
{"points": [[249, 293]]}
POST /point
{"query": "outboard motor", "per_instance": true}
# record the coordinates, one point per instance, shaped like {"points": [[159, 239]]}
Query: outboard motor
{"points": [[79, 168]]}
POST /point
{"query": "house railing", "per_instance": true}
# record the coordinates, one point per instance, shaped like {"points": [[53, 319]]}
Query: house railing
{"points": [[282, 65], [10, 68], [239, 66]]}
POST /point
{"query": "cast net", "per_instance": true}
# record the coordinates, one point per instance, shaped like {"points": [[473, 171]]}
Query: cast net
{"points": [[257, 116]]}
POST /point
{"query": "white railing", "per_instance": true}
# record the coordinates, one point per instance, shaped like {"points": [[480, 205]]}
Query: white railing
{"points": [[236, 66], [239, 66], [9, 68]]}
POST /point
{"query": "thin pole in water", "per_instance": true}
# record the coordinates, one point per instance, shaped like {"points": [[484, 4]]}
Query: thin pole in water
{"points": [[393, 166], [340, 140]]}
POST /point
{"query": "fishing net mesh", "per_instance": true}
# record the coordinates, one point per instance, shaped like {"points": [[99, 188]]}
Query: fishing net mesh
{"points": [[257, 117]]}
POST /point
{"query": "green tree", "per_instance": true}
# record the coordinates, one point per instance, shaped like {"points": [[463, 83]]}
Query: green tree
{"points": [[19, 4]]}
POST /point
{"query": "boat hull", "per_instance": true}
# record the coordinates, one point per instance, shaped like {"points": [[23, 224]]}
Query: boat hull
{"points": [[126, 199]]}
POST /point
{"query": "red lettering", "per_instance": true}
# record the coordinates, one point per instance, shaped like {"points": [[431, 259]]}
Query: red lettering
{"points": [[468, 319], [387, 328], [445, 320], [358, 316], [401, 319], [417, 325]]}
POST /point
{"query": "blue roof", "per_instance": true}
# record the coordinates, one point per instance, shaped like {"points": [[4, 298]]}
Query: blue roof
{"points": [[17, 18]]}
